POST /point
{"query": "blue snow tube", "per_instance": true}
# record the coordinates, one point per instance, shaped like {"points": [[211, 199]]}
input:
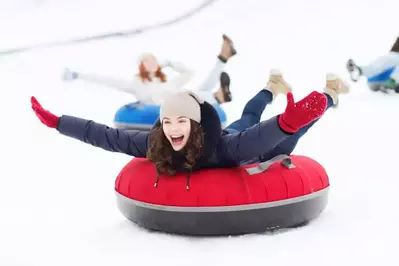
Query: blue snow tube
{"points": [[382, 77], [376, 82], [140, 116], [221, 113]]}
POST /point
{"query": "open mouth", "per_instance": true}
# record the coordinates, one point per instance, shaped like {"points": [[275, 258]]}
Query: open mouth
{"points": [[177, 140]]}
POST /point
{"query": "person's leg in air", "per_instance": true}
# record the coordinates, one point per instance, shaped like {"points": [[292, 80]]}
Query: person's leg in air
{"points": [[253, 110], [334, 87]]}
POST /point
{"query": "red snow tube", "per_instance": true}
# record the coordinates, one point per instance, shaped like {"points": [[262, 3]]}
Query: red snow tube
{"points": [[287, 191]]}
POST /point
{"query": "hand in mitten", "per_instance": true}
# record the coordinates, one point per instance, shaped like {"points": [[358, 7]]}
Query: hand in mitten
{"points": [[68, 75], [299, 114], [45, 116], [165, 63]]}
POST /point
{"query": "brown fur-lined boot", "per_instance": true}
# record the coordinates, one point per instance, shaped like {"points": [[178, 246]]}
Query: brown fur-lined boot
{"points": [[276, 84], [228, 49], [223, 95], [334, 87]]}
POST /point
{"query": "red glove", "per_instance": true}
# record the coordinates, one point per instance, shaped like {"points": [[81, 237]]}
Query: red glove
{"points": [[300, 114], [45, 116]]}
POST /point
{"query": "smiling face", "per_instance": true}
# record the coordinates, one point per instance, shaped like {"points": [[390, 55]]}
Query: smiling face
{"points": [[177, 130]]}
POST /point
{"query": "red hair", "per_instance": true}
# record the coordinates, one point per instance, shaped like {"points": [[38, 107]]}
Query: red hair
{"points": [[145, 75]]}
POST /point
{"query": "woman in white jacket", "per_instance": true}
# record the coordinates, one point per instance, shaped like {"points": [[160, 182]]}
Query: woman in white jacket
{"points": [[150, 84], [379, 66]]}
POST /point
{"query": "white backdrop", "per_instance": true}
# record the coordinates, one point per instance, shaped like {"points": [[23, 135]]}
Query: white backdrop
{"points": [[57, 204]]}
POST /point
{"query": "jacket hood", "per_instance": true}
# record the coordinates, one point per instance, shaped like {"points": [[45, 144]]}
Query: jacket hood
{"points": [[212, 128]]}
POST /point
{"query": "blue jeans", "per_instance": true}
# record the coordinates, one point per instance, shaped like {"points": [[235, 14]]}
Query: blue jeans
{"points": [[252, 112], [251, 116]]}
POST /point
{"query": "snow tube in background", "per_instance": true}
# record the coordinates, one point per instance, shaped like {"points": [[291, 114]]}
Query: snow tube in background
{"points": [[375, 82], [136, 116], [287, 191], [382, 77], [143, 116]]}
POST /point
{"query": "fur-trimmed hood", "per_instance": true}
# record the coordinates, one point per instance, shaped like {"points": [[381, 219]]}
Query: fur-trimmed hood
{"points": [[212, 128]]}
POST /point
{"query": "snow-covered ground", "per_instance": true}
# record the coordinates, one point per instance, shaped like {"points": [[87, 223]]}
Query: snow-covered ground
{"points": [[57, 203], [53, 21]]}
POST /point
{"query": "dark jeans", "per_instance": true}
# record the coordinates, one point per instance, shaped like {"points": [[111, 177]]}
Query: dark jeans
{"points": [[251, 116]]}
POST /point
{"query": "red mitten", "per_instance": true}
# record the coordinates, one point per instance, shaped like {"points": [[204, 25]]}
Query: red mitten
{"points": [[299, 114], [45, 116]]}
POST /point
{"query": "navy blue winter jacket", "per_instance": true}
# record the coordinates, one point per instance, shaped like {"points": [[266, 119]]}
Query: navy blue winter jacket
{"points": [[221, 149]]}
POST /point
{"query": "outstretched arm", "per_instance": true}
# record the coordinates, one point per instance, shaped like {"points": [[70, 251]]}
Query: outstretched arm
{"points": [[158, 91], [133, 86], [134, 143], [130, 142], [128, 86], [185, 74], [264, 136], [251, 143]]}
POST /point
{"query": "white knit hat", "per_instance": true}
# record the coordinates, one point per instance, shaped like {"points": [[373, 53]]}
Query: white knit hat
{"points": [[182, 103]]}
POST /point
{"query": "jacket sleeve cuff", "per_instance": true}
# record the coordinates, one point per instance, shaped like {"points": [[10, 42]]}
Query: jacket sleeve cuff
{"points": [[283, 127]]}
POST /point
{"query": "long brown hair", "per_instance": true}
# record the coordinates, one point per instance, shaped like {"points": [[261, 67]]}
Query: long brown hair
{"points": [[145, 75], [160, 151]]}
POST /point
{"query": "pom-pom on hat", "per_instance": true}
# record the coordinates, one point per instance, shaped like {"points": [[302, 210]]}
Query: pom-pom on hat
{"points": [[182, 103]]}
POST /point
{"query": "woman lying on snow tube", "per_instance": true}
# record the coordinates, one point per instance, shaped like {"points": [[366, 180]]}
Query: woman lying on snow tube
{"points": [[150, 83], [143, 116], [382, 73], [188, 137]]}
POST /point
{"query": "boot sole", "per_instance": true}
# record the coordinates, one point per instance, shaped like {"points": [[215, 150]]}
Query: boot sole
{"points": [[233, 49], [225, 85]]}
